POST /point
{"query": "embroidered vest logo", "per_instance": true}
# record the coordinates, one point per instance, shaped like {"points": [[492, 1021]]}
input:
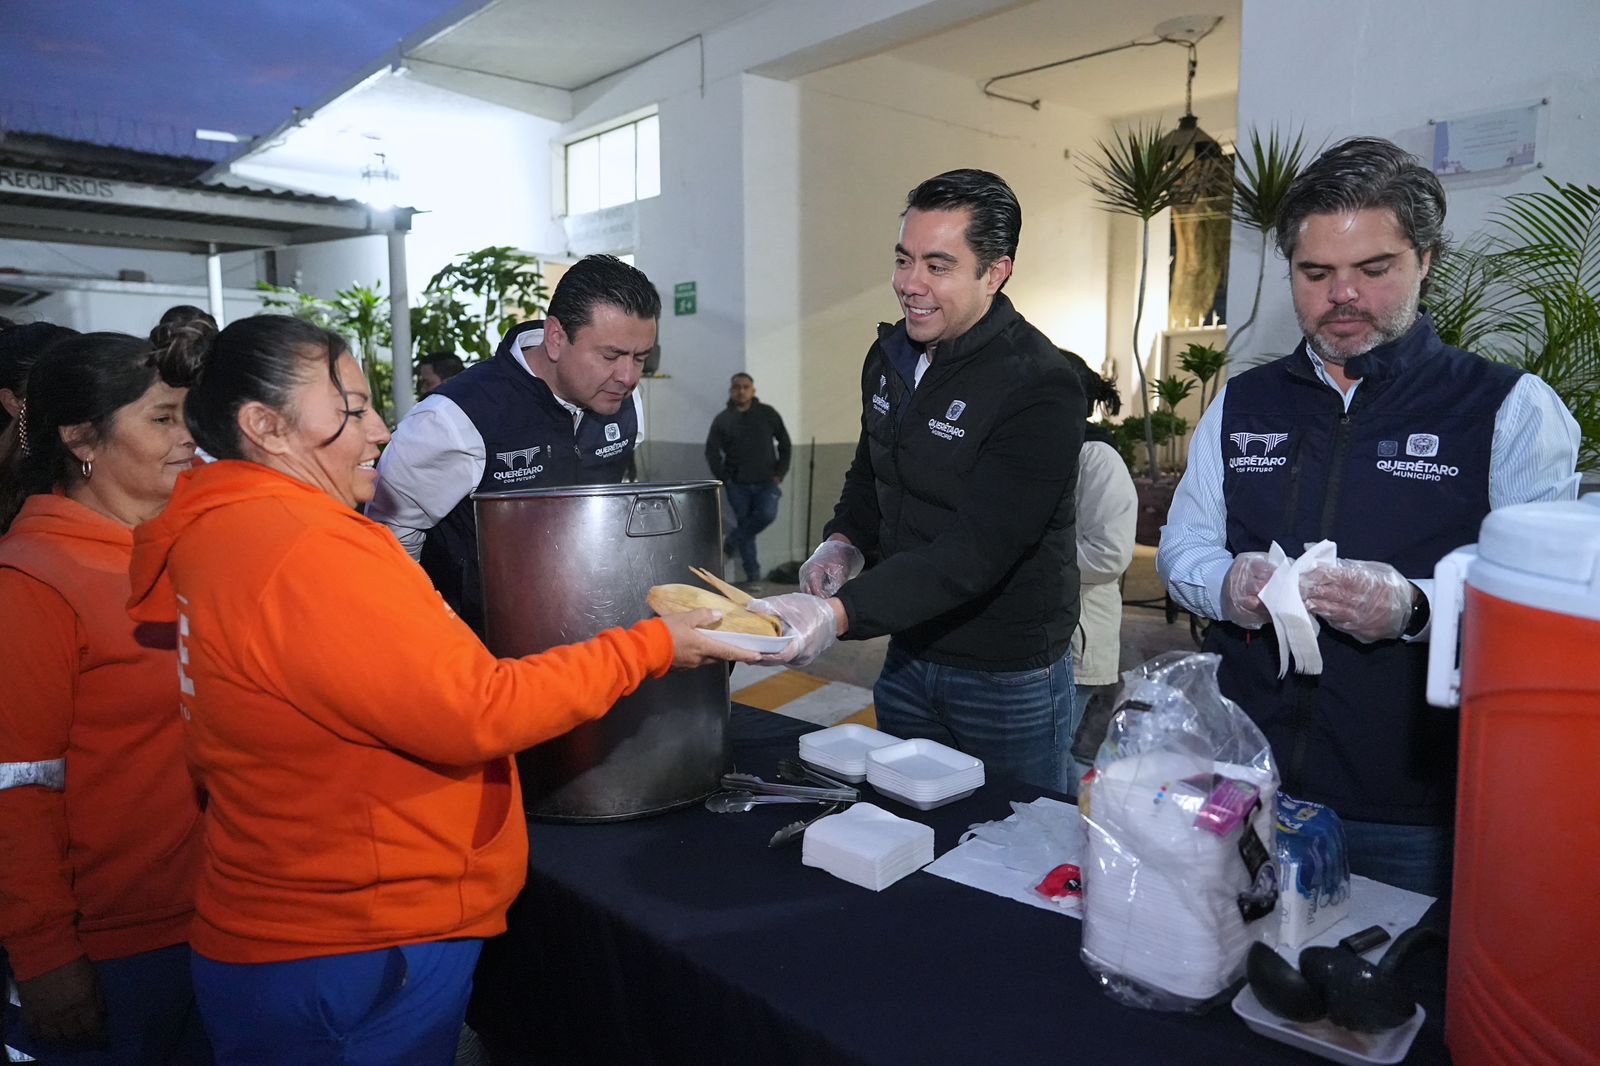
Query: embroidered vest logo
{"points": [[880, 401], [1264, 462], [956, 407], [1423, 446], [519, 465]]}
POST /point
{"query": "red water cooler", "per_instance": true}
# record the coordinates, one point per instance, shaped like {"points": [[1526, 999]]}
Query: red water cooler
{"points": [[1524, 970]]}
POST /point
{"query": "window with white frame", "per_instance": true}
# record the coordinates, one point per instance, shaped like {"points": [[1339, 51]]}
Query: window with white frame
{"points": [[617, 166]]}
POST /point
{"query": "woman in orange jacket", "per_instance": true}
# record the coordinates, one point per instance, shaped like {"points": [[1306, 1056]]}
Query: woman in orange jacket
{"points": [[365, 823], [99, 819]]}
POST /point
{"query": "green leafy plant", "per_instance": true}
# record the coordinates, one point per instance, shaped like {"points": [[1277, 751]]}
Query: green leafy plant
{"points": [[1527, 292], [360, 314], [504, 285], [1171, 391], [292, 301], [1129, 434], [1262, 176], [1205, 363], [1138, 174]]}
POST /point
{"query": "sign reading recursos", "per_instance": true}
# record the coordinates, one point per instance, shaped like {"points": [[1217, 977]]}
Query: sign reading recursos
{"points": [[34, 181]]}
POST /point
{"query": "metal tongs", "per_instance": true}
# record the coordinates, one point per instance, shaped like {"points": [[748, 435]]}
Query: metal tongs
{"points": [[755, 785]]}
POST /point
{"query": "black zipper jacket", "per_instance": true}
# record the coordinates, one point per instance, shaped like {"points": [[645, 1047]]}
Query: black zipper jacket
{"points": [[963, 488]]}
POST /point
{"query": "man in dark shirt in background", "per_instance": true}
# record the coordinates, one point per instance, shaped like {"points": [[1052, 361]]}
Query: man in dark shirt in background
{"points": [[748, 450]]}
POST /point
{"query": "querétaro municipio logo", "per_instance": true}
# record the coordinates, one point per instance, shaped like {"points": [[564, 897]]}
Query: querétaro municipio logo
{"points": [[1262, 462]]}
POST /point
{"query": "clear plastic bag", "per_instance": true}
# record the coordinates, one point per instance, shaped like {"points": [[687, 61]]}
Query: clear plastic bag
{"points": [[1180, 864]]}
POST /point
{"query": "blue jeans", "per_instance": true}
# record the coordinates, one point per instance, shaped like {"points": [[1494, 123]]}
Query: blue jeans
{"points": [[1081, 695], [1015, 721], [1416, 857], [755, 505], [151, 1018], [398, 1006]]}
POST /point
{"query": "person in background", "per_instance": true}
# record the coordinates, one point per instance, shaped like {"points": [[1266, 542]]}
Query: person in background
{"points": [[99, 822], [963, 482], [555, 406], [1376, 435], [364, 830], [748, 451], [435, 369], [20, 348], [1108, 511]]}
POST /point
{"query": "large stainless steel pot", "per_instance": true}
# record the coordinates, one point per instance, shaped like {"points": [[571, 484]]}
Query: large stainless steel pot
{"points": [[562, 564]]}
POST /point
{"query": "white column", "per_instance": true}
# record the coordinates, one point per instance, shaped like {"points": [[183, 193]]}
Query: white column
{"points": [[400, 324], [214, 284]]}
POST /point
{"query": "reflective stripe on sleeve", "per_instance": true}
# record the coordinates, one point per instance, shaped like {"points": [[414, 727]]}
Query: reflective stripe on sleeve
{"points": [[50, 773]]}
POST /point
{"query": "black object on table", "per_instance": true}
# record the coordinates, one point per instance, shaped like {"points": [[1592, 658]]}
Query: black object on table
{"points": [[683, 938]]}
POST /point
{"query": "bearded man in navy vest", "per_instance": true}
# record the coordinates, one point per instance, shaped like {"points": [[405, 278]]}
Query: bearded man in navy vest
{"points": [[555, 406], [1376, 435]]}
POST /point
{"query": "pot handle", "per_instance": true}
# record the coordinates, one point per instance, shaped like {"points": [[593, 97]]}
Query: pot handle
{"points": [[1444, 647], [653, 516]]}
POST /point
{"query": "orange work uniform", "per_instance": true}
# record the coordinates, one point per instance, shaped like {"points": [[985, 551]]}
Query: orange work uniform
{"points": [[99, 818], [353, 734]]}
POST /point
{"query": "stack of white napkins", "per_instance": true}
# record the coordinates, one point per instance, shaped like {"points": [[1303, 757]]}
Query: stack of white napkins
{"points": [[868, 846], [924, 773], [1296, 629], [842, 749]]}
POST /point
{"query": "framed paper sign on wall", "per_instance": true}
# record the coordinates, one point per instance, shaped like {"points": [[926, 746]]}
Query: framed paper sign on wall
{"points": [[1505, 139]]}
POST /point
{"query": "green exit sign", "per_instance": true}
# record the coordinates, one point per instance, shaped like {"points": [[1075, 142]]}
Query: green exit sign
{"points": [[683, 298]]}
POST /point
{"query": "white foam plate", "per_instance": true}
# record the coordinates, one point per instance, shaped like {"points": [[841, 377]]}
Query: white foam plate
{"points": [[920, 760], [1326, 1039], [923, 804], [844, 744], [749, 641]]}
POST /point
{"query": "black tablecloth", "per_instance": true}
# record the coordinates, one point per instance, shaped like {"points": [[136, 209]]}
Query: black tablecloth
{"points": [[683, 938]]}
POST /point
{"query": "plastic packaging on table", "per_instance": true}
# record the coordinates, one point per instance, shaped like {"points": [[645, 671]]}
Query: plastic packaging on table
{"points": [[1314, 869], [1181, 865]]}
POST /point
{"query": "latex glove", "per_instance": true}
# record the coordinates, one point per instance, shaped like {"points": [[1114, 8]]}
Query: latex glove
{"points": [[830, 566], [64, 1006], [1241, 589], [1370, 601], [810, 619]]}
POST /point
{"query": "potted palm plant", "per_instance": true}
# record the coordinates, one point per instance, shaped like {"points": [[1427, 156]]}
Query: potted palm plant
{"points": [[1138, 174], [1526, 291], [1262, 176]]}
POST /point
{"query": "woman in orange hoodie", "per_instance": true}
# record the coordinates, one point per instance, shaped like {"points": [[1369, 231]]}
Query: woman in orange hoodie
{"points": [[365, 823], [99, 819]]}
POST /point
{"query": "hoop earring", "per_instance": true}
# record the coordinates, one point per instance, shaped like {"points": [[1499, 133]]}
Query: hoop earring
{"points": [[87, 469]]}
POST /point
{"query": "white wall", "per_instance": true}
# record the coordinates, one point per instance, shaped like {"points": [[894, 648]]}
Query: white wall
{"points": [[1384, 68], [479, 174], [129, 308], [781, 200], [870, 131]]}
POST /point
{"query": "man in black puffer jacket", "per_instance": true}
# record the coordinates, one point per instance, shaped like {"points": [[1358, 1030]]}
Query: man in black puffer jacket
{"points": [[962, 486]]}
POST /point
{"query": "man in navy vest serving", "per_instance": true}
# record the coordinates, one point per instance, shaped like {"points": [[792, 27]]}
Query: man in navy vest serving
{"points": [[555, 406], [1376, 435]]}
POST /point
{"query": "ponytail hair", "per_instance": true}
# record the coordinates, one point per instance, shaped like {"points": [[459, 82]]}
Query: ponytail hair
{"points": [[261, 359]]}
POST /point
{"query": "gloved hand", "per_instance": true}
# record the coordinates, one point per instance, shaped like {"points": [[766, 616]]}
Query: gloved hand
{"points": [[810, 619], [1370, 601], [830, 566], [1241, 589]]}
